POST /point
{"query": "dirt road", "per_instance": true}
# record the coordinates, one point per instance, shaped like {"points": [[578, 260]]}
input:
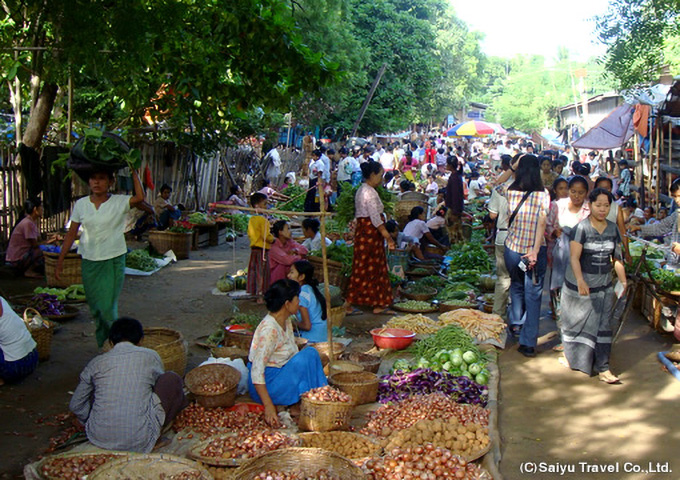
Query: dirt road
{"points": [[548, 413]]}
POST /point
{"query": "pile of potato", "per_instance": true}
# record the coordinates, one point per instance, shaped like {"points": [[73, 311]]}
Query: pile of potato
{"points": [[464, 440], [347, 444]]}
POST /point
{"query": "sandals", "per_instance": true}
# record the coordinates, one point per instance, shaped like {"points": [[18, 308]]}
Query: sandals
{"points": [[609, 377], [385, 311], [354, 311]]}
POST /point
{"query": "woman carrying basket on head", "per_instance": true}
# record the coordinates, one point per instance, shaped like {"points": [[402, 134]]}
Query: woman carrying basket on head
{"points": [[102, 216]]}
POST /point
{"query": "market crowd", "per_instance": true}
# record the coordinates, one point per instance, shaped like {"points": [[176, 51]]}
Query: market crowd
{"points": [[555, 217]]}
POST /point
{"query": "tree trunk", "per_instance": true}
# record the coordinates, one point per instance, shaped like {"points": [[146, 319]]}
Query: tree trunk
{"points": [[40, 116]]}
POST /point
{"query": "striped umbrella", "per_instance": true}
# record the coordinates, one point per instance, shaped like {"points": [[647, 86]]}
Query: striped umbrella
{"points": [[472, 128]]}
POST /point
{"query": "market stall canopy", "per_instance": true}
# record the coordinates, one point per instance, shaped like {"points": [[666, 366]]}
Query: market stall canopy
{"points": [[612, 132], [498, 129], [471, 128], [513, 133], [548, 137]]}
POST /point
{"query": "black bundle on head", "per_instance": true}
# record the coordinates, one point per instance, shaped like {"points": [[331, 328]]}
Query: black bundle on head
{"points": [[305, 268]]}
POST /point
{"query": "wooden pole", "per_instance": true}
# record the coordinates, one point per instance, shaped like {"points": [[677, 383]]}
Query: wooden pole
{"points": [[270, 210], [368, 99], [659, 175], [326, 287], [69, 122], [638, 172]]}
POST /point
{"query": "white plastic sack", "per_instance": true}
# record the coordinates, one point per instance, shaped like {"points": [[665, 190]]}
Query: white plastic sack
{"points": [[238, 364]]}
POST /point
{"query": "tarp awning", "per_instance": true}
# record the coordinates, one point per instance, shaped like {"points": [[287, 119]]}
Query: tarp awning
{"points": [[612, 132]]}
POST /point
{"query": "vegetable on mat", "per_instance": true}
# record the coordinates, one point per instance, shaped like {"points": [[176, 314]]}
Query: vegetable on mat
{"points": [[424, 381]]}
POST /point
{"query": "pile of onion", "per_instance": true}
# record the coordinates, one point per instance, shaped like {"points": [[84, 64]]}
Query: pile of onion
{"points": [[238, 447], [422, 463], [403, 414], [75, 467], [322, 474], [212, 420], [327, 394]]}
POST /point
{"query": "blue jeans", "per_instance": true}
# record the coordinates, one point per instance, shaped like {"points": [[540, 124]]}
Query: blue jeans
{"points": [[526, 291]]}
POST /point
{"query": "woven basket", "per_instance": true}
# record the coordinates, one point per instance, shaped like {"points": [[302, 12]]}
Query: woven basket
{"points": [[229, 352], [341, 366], [168, 343], [146, 466], [335, 276], [371, 363], [402, 209], [422, 297], [307, 460], [239, 338], [200, 376], [41, 334], [361, 386], [337, 315], [331, 440], [179, 243], [71, 273], [319, 416], [325, 348]]}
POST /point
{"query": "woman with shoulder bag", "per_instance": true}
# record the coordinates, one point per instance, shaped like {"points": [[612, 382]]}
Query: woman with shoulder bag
{"points": [[525, 250]]}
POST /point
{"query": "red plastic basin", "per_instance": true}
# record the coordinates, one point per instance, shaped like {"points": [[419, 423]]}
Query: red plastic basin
{"points": [[394, 338]]}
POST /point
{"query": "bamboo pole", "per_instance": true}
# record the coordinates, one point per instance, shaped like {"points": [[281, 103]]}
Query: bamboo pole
{"points": [[659, 175], [321, 214], [639, 172], [326, 288]]}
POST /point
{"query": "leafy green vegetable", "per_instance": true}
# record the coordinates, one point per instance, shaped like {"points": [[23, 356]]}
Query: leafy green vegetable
{"points": [[140, 260], [469, 256], [297, 199], [74, 292], [339, 252], [344, 206]]}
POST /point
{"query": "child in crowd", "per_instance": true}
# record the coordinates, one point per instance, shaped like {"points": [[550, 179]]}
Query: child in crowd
{"points": [[649, 216], [417, 228], [312, 316], [310, 229], [437, 226], [272, 194], [284, 252], [401, 240], [236, 197], [558, 166], [260, 242]]}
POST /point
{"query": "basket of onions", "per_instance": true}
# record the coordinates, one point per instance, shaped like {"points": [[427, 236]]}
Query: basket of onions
{"points": [[213, 385], [232, 449], [324, 409]]}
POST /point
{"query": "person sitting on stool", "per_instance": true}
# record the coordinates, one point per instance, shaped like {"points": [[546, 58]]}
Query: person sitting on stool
{"points": [[165, 210]]}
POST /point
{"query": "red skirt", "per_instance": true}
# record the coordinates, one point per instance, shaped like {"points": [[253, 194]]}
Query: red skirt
{"points": [[369, 283], [258, 272]]}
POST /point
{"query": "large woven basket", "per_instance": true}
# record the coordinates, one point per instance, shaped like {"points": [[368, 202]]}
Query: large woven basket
{"points": [[335, 276], [229, 352], [42, 334], [337, 315], [239, 338], [307, 460], [402, 209], [332, 440], [361, 386], [168, 343], [179, 243], [325, 348], [371, 363], [71, 273], [212, 373], [226, 461], [147, 466], [316, 416]]}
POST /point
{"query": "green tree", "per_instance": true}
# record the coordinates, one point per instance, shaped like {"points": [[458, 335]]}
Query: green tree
{"points": [[641, 36], [202, 67]]}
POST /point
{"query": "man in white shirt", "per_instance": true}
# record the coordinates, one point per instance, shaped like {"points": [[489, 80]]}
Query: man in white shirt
{"points": [[310, 228], [498, 210], [274, 163], [387, 159]]}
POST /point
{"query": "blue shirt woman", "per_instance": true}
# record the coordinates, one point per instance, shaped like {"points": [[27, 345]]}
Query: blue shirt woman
{"points": [[312, 317]]}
